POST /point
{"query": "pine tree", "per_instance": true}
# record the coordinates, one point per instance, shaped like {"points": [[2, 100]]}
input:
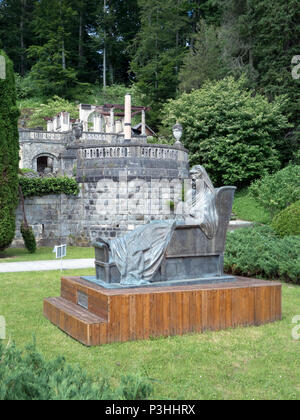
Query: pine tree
{"points": [[16, 33], [204, 60], [159, 49], [116, 27], [261, 37], [52, 27], [9, 153]]}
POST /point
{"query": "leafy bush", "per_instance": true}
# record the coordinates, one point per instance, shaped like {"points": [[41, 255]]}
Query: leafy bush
{"points": [[50, 109], [43, 186], [276, 192], [236, 135], [30, 377], [9, 155], [259, 252], [287, 222], [28, 237]]}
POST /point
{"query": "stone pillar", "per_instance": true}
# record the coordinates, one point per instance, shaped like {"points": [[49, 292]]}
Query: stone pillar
{"points": [[127, 121], [112, 121], [65, 121], [50, 125], [55, 123], [119, 127], [102, 124], [143, 123], [97, 123]]}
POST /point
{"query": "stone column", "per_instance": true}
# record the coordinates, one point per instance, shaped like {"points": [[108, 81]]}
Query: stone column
{"points": [[119, 126], [50, 125], [97, 123], [143, 123], [112, 120], [127, 121]]}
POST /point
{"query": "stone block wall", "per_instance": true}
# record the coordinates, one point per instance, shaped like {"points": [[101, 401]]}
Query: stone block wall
{"points": [[105, 208]]}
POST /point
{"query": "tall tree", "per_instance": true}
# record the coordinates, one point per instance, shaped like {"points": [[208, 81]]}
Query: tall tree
{"points": [[16, 32], [204, 60], [9, 152], [116, 26], [159, 48], [261, 37], [52, 27]]}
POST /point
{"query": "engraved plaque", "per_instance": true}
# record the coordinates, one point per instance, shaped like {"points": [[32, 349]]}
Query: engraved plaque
{"points": [[82, 300]]}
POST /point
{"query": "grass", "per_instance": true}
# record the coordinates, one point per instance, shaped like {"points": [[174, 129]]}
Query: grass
{"points": [[246, 208], [44, 253], [244, 363]]}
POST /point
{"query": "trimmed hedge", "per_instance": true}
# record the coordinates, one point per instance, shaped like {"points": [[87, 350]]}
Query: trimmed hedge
{"points": [[287, 222], [278, 191], [28, 376], [9, 155], [44, 186], [28, 237], [259, 252]]}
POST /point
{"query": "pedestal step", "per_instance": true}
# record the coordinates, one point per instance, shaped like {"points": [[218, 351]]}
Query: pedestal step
{"points": [[78, 322], [136, 314]]}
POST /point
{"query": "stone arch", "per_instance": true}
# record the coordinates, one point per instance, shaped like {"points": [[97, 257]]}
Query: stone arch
{"points": [[45, 160]]}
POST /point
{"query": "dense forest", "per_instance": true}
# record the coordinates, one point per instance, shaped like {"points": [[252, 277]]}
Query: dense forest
{"points": [[160, 48]]}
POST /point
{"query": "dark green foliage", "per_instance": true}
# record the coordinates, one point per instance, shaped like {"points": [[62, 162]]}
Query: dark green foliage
{"points": [[234, 134], [28, 237], [158, 51], [28, 376], [9, 156], [204, 60], [43, 186], [287, 222], [261, 37], [259, 252], [276, 192]]}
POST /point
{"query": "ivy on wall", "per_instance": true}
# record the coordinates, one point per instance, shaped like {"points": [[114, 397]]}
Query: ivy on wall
{"points": [[32, 187]]}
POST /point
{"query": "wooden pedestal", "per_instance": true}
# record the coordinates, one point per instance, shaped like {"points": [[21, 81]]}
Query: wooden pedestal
{"points": [[94, 315]]}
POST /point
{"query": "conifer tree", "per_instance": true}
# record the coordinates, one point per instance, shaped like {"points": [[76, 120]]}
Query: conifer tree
{"points": [[9, 152], [159, 48]]}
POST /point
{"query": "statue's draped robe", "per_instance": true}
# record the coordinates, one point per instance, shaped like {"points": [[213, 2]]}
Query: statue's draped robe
{"points": [[138, 254], [204, 211]]}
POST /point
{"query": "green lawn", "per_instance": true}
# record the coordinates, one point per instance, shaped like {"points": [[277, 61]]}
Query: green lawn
{"points": [[44, 253], [243, 363], [246, 208]]}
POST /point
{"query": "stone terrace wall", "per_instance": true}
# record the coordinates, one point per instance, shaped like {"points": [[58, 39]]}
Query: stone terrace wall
{"points": [[105, 208]]}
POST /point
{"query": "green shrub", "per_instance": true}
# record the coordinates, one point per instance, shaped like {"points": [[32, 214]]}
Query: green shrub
{"points": [[287, 222], [32, 187], [9, 155], [276, 192], [28, 376], [28, 237], [236, 135], [51, 108], [259, 252]]}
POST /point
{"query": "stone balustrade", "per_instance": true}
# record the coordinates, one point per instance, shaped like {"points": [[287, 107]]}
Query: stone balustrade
{"points": [[134, 151]]}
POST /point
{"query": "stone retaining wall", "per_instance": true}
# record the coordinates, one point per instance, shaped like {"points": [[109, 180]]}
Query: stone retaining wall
{"points": [[105, 208]]}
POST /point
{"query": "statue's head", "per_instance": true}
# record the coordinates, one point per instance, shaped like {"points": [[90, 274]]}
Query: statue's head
{"points": [[198, 172]]}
